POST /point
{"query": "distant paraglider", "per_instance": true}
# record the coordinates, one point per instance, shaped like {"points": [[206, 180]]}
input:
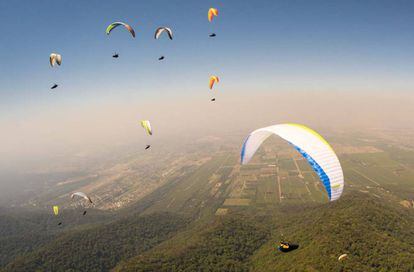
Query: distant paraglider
{"points": [[287, 247], [161, 30], [55, 59], [315, 149], [147, 126], [213, 80], [158, 33], [82, 195], [212, 12], [116, 24], [56, 212]]}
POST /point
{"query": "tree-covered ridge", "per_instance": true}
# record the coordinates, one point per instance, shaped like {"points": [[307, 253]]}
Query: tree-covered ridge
{"points": [[225, 245], [376, 235], [24, 230], [101, 248]]}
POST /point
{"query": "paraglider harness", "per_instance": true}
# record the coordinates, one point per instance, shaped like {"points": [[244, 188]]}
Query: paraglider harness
{"points": [[286, 247]]}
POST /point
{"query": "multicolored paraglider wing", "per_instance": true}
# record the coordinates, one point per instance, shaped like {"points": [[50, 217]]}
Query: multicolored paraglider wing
{"points": [[147, 126], [213, 80], [162, 29], [116, 24], [55, 59], [56, 210], [211, 13], [315, 149]]}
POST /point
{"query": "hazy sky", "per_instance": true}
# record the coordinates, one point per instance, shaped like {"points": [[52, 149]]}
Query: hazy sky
{"points": [[264, 50]]}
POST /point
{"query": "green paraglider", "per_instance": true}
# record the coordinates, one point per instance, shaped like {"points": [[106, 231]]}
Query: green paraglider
{"points": [[116, 24]]}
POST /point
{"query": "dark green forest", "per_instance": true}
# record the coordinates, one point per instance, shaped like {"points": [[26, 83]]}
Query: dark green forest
{"points": [[225, 245], [100, 248], [377, 235]]}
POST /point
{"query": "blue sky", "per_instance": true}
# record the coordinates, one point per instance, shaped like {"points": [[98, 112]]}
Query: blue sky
{"points": [[260, 46]]}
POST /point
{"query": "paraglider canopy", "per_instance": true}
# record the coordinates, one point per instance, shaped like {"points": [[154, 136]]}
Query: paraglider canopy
{"points": [[161, 30], [147, 126], [211, 13], [342, 257], [315, 149], [213, 80], [56, 210], [54, 59], [116, 24], [82, 195]]}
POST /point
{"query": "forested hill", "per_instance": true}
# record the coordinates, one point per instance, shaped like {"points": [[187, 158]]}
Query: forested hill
{"points": [[101, 247], [376, 235]]}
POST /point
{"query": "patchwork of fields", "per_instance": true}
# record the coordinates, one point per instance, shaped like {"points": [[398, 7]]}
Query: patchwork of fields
{"points": [[278, 176], [213, 182]]}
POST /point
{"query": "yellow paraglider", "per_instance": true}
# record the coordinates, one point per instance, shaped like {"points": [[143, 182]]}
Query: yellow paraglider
{"points": [[211, 13], [213, 80], [56, 210], [147, 126]]}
